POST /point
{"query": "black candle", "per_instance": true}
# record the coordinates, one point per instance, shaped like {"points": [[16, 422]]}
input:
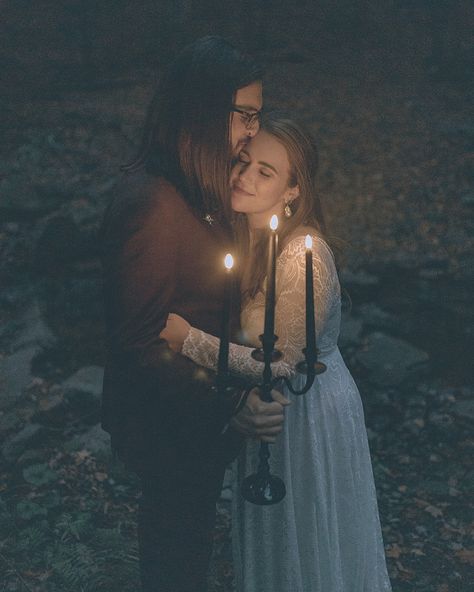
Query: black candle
{"points": [[310, 321], [223, 359], [269, 327]]}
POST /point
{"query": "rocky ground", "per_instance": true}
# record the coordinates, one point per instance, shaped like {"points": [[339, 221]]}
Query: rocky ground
{"points": [[396, 149]]}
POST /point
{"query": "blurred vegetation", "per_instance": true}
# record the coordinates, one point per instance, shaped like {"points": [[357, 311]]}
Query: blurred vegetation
{"points": [[84, 42], [59, 537]]}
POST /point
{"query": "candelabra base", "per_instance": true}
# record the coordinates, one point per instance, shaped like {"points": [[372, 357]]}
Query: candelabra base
{"points": [[263, 489]]}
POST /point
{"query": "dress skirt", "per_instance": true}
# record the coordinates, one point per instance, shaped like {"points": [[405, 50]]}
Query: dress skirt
{"points": [[325, 535]]}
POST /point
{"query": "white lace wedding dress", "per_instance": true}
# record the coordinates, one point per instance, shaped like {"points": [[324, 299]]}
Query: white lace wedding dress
{"points": [[325, 535]]}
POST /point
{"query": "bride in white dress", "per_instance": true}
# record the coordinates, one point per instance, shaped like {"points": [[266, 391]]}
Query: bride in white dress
{"points": [[325, 535]]}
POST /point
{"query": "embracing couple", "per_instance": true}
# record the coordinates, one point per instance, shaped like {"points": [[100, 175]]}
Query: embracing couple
{"points": [[210, 174]]}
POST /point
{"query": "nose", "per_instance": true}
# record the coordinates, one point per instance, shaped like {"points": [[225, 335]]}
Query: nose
{"points": [[245, 174]]}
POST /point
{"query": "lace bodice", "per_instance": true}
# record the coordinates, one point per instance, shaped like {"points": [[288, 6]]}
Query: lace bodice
{"points": [[290, 313]]}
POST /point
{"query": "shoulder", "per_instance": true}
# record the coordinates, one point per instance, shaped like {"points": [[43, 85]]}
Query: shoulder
{"points": [[155, 194], [296, 242], [141, 198]]}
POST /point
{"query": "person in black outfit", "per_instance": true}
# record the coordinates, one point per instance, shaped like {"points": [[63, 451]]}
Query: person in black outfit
{"points": [[164, 237]]}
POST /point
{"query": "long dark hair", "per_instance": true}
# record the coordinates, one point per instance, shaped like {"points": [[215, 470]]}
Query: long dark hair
{"points": [[186, 134], [306, 208]]}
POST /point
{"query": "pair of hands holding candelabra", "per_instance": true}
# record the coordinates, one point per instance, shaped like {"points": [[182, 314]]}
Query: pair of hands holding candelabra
{"points": [[262, 415], [256, 419]]}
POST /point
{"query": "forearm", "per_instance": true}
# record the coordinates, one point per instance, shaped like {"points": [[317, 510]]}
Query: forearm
{"points": [[203, 349]]}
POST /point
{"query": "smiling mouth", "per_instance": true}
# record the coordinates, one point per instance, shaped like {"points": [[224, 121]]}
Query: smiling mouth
{"points": [[238, 189]]}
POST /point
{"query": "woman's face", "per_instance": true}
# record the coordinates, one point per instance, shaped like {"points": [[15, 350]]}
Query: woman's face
{"points": [[259, 180]]}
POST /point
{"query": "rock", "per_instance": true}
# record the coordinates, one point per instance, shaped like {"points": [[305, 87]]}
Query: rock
{"points": [[12, 227], [20, 199], [86, 380], [381, 398], [414, 425], [351, 328], [32, 456], [455, 127], [390, 361], [371, 435], [52, 410], [9, 421], [73, 300], [83, 212], [416, 401], [431, 273], [454, 297], [468, 198], [435, 486], [61, 242], [15, 374], [106, 186], [95, 440], [358, 278], [39, 474], [83, 391], [226, 493], [465, 409], [441, 420], [15, 295], [381, 423], [8, 330], [30, 435], [33, 330], [374, 316]]}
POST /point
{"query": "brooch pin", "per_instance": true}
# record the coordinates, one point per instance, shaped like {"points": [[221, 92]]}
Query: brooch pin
{"points": [[209, 219]]}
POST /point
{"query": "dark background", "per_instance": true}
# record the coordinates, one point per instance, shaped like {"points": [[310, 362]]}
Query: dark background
{"points": [[60, 42], [386, 88]]}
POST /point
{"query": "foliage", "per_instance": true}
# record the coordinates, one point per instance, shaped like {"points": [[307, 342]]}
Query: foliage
{"points": [[39, 474], [64, 543]]}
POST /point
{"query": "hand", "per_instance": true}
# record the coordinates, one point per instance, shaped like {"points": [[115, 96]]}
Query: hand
{"points": [[260, 420], [175, 332]]}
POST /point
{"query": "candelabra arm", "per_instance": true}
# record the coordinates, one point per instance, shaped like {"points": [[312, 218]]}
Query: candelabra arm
{"points": [[311, 367], [304, 390]]}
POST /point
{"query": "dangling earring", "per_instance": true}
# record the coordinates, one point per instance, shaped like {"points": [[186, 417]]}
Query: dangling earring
{"points": [[287, 211]]}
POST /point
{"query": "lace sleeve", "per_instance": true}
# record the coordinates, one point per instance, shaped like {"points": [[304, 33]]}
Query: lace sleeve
{"points": [[290, 317], [203, 349], [290, 326]]}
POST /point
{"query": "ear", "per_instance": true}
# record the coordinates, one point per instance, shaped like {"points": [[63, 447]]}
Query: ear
{"points": [[292, 194]]}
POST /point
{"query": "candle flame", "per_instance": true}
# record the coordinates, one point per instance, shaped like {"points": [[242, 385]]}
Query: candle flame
{"points": [[229, 261], [274, 222], [308, 241]]}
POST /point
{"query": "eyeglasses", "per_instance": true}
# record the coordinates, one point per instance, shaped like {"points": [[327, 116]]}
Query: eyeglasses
{"points": [[249, 119]]}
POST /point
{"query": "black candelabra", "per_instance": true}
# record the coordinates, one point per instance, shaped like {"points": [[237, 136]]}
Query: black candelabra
{"points": [[263, 488]]}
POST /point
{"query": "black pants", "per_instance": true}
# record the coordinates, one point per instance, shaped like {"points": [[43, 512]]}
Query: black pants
{"points": [[175, 525]]}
